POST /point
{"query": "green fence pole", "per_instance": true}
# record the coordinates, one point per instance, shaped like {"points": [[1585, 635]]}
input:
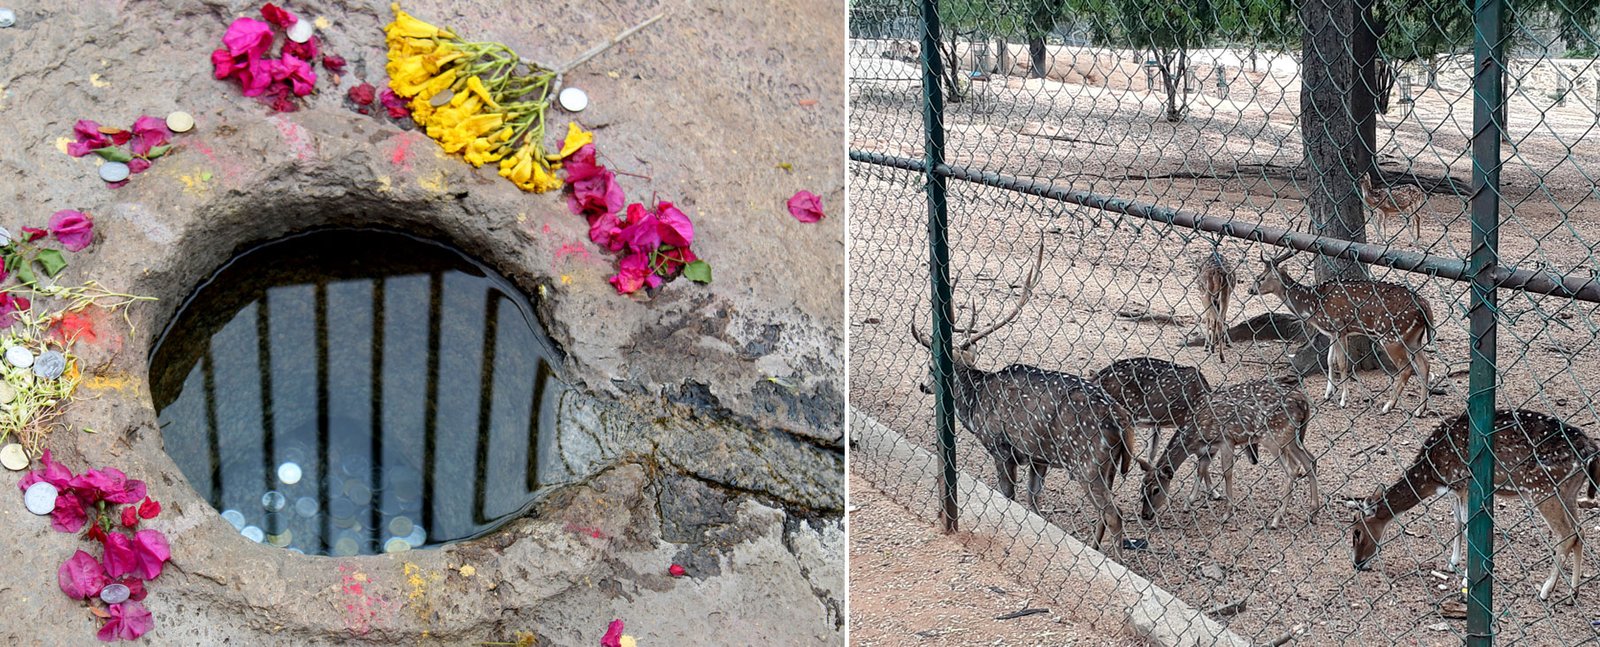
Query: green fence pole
{"points": [[1488, 111], [939, 260]]}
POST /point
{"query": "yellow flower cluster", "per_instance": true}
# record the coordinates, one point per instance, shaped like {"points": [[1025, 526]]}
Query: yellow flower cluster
{"points": [[477, 99]]}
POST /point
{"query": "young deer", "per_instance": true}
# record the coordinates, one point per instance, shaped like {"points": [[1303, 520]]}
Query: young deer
{"points": [[1394, 315], [1157, 392], [1398, 203], [1536, 456], [1216, 284], [1025, 415], [1272, 413]]}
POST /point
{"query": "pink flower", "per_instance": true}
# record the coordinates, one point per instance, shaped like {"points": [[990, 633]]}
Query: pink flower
{"points": [[297, 72], [605, 229], [149, 509], [643, 230], [613, 637], [673, 259], [10, 305], [394, 104], [676, 571], [581, 164], [130, 516], [224, 65], [333, 63], [805, 206], [277, 16], [53, 473], [75, 229], [128, 621], [306, 51], [150, 547], [138, 165], [109, 484], [256, 76], [34, 233], [248, 37], [69, 515], [363, 95], [89, 138], [81, 577], [119, 555], [676, 230], [149, 132], [633, 273]]}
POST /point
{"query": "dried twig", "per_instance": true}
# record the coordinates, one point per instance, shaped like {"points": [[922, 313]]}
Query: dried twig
{"points": [[1227, 609], [1021, 613]]}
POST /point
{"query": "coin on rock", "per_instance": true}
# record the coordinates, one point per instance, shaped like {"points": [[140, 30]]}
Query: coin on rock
{"points": [[19, 357], [50, 364], [7, 17], [114, 171], [5, 236], [180, 122], [7, 393], [234, 517], [40, 498], [573, 99], [13, 457], [301, 31], [115, 593], [253, 534]]}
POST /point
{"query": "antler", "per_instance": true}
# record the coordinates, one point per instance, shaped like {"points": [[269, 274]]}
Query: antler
{"points": [[1027, 292], [1274, 261]]}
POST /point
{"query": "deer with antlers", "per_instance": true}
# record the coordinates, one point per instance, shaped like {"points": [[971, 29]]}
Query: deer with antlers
{"points": [[1537, 456], [1025, 415], [1398, 203], [1392, 314], [1215, 280]]}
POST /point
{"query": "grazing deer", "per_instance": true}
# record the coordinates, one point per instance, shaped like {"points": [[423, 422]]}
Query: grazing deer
{"points": [[1216, 284], [1272, 413], [1398, 203], [1157, 392], [1394, 315], [1025, 415], [1536, 456]]}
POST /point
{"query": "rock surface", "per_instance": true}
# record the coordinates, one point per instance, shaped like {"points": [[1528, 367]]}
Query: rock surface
{"points": [[727, 399]]}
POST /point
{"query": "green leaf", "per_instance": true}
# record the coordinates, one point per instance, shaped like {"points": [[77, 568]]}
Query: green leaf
{"points": [[113, 154], [158, 151], [698, 271], [52, 261], [25, 274]]}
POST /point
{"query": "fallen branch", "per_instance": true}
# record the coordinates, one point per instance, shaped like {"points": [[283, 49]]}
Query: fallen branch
{"points": [[1022, 614], [1228, 609]]}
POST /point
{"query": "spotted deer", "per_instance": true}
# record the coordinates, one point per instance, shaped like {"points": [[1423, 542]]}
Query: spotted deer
{"points": [[1537, 457], [1391, 314], [1028, 416], [1398, 203], [1157, 392], [1271, 413], [1215, 281]]}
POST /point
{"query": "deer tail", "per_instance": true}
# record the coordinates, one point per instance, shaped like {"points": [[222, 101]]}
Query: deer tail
{"points": [[1427, 318], [1594, 475]]}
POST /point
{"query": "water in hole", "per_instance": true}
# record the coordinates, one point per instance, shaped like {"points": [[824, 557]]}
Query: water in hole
{"points": [[351, 391]]}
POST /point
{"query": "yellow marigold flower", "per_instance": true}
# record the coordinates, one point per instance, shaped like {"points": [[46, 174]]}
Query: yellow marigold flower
{"points": [[470, 129], [407, 26], [577, 137], [475, 86], [544, 179], [407, 76], [421, 109], [440, 60], [529, 173]]}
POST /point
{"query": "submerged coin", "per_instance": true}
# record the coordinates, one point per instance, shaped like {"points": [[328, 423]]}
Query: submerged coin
{"points": [[274, 500], [395, 545], [400, 526], [342, 508], [358, 492], [180, 122], [573, 99], [253, 533], [417, 536], [19, 357], [114, 171], [115, 593], [345, 547], [234, 517], [281, 539], [289, 473], [13, 457], [306, 506], [41, 498], [301, 30], [50, 364]]}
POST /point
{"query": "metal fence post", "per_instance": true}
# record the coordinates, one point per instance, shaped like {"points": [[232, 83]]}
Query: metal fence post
{"points": [[1488, 112], [938, 260]]}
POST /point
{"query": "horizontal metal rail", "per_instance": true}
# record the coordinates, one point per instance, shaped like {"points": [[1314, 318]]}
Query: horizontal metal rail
{"points": [[1536, 281]]}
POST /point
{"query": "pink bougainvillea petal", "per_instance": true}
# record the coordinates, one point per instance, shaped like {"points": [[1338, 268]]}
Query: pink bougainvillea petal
{"points": [[613, 637], [605, 230], [149, 132], [362, 95], [74, 229], [634, 273], [81, 577], [278, 16], [333, 63], [129, 620], [676, 571], [53, 473], [805, 206], [69, 515], [642, 232], [130, 516], [121, 557], [149, 509], [248, 37], [676, 230], [109, 484], [151, 551]]}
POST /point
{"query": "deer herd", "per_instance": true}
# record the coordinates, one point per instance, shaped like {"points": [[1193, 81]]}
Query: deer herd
{"points": [[1029, 416]]}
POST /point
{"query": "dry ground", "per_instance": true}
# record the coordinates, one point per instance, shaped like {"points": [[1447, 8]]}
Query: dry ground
{"points": [[1110, 139], [911, 584]]}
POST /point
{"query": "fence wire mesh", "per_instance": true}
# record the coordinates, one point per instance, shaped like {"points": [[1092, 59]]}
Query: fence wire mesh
{"points": [[1137, 143]]}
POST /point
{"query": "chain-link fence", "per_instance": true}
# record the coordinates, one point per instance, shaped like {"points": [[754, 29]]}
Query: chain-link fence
{"points": [[1435, 161]]}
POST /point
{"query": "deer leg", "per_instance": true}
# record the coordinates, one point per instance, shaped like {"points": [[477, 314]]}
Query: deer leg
{"points": [[1400, 355], [1202, 477], [1419, 361], [1110, 517], [1557, 511], [1333, 348], [1036, 473], [1006, 474], [1460, 513], [1225, 457], [1155, 440]]}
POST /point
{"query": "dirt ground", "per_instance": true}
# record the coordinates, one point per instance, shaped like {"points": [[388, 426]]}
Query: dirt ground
{"points": [[1111, 140], [909, 583]]}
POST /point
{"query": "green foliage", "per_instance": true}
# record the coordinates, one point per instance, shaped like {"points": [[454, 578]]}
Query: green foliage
{"points": [[1166, 25]]}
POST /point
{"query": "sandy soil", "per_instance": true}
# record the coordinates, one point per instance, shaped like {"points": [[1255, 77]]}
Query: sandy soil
{"points": [[912, 584], [1111, 140]]}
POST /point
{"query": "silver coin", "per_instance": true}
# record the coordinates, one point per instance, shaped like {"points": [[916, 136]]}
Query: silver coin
{"points": [[281, 539], [396, 545], [442, 98], [401, 526], [234, 517], [115, 593], [114, 171], [573, 99], [345, 547], [274, 501], [296, 551], [301, 31], [7, 18], [342, 508], [306, 506], [5, 236], [357, 465], [50, 364], [41, 498], [253, 533], [417, 536], [19, 357], [289, 473], [358, 492]]}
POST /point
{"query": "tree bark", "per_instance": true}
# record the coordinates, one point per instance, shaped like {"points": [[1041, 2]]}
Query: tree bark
{"points": [[1036, 54], [1003, 66]]}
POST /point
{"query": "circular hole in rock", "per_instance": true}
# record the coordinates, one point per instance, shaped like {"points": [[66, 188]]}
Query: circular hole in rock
{"points": [[347, 392]]}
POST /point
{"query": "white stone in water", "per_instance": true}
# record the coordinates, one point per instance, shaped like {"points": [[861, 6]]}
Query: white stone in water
{"points": [[289, 473], [253, 533], [13, 457], [40, 498], [302, 30], [115, 593], [573, 99], [19, 357]]}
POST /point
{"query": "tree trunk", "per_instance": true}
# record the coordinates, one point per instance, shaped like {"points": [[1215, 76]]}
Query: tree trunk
{"points": [[952, 72], [1036, 54], [1003, 67], [1385, 79], [1169, 82], [1364, 89]]}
